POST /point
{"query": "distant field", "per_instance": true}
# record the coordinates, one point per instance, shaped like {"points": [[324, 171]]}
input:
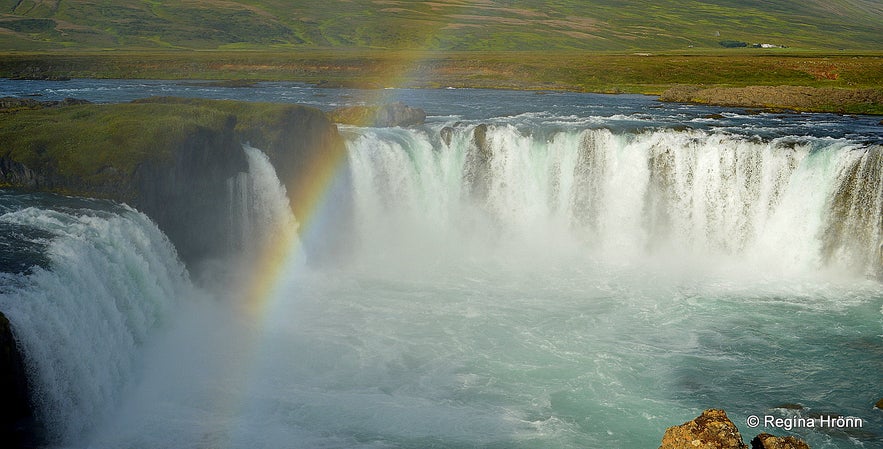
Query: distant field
{"points": [[575, 71], [447, 25], [634, 46]]}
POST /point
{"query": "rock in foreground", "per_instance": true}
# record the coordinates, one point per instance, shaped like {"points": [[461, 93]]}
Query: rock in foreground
{"points": [[714, 430], [767, 441], [711, 430]]}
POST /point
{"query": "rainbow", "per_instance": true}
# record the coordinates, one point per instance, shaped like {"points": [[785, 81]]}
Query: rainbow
{"points": [[265, 292], [309, 200], [262, 298]]}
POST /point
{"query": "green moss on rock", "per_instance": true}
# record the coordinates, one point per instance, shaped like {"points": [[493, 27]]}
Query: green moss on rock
{"points": [[99, 145], [169, 157]]}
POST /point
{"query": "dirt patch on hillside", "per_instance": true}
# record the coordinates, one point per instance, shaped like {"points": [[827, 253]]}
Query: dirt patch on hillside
{"points": [[798, 98]]}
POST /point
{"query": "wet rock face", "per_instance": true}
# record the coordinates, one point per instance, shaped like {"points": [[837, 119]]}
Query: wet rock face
{"points": [[447, 134], [11, 104], [16, 420], [478, 159], [767, 441], [711, 430], [384, 116], [398, 114], [187, 195], [13, 173]]}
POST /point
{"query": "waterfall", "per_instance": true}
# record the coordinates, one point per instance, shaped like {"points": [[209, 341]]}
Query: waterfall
{"points": [[854, 226], [112, 277], [259, 204], [805, 203]]}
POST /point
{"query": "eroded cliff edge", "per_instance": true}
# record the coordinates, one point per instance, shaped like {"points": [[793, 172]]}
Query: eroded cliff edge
{"points": [[170, 158]]}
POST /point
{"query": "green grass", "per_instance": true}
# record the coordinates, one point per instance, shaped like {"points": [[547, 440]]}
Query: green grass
{"points": [[100, 144], [448, 25], [576, 71], [526, 44], [97, 141]]}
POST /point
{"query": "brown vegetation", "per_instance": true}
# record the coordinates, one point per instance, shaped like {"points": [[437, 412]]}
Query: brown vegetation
{"points": [[798, 98]]}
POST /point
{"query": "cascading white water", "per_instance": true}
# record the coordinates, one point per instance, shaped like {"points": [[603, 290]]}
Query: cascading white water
{"points": [[259, 203], [472, 325], [520, 287], [112, 277], [623, 196]]}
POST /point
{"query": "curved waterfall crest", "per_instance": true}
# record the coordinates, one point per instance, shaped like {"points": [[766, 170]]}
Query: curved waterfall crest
{"points": [[810, 202], [112, 278]]}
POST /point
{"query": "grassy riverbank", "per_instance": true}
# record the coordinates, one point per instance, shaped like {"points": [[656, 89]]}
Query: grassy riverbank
{"points": [[572, 71], [599, 72]]}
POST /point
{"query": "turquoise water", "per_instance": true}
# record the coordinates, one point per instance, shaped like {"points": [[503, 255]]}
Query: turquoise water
{"points": [[595, 270], [487, 356], [594, 356]]}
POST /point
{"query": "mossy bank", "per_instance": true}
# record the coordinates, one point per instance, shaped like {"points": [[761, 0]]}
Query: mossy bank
{"points": [[168, 157]]}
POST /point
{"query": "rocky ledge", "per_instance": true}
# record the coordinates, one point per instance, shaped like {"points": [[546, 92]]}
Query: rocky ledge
{"points": [[170, 158], [16, 418], [12, 104], [714, 430], [384, 116], [796, 98]]}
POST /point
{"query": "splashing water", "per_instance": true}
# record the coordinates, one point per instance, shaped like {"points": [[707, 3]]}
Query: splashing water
{"points": [[793, 204], [576, 288]]}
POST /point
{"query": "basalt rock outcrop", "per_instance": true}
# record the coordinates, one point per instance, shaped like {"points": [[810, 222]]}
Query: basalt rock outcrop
{"points": [[12, 104], [171, 158], [478, 160], [767, 441], [170, 162], [16, 417], [383, 116], [714, 430], [186, 194], [710, 430]]}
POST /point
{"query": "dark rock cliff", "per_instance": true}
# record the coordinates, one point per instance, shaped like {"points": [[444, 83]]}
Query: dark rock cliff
{"points": [[383, 116], [183, 189], [171, 159], [15, 174], [16, 419], [187, 195], [478, 160]]}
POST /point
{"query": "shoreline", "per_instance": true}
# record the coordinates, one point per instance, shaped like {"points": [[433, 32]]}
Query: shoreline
{"points": [[776, 99], [847, 83]]}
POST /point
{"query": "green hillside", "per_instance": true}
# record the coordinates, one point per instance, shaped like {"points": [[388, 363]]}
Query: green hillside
{"points": [[485, 25]]}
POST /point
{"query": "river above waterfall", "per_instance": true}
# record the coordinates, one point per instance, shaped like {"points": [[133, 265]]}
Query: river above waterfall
{"points": [[629, 112], [526, 270]]}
